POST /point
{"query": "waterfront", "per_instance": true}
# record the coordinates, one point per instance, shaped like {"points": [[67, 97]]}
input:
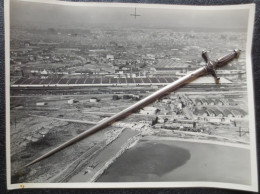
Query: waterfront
{"points": [[164, 160], [66, 78]]}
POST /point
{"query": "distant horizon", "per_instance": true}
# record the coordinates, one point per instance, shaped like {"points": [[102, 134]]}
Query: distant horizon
{"points": [[175, 29], [43, 16]]}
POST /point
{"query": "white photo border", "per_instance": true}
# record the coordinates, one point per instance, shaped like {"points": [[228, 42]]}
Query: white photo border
{"points": [[251, 116]]}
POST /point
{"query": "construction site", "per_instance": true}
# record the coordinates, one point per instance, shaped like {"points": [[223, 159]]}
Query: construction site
{"points": [[42, 122], [64, 81]]}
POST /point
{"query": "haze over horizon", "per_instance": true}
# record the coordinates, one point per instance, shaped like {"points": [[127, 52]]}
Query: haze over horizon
{"points": [[42, 15]]}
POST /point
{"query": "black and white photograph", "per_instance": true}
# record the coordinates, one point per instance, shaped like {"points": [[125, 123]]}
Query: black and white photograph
{"points": [[122, 95]]}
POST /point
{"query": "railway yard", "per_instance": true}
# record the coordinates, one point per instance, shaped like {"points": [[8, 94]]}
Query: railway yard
{"points": [[40, 123], [62, 85]]}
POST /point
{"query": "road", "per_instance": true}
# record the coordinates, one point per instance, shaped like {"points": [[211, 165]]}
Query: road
{"points": [[106, 156]]}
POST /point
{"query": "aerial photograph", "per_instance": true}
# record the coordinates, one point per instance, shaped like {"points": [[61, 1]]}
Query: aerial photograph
{"points": [[72, 67]]}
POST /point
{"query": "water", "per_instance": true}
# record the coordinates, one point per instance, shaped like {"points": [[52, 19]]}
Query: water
{"points": [[159, 160], [105, 155]]}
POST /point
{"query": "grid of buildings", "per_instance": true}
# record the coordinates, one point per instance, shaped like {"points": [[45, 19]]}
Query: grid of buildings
{"points": [[115, 62]]}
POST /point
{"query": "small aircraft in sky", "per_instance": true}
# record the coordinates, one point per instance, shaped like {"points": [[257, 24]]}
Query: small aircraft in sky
{"points": [[135, 15]]}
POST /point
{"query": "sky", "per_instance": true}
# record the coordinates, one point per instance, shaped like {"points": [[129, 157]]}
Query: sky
{"points": [[42, 15]]}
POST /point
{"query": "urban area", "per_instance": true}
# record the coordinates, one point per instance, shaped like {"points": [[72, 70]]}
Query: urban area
{"points": [[63, 81]]}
